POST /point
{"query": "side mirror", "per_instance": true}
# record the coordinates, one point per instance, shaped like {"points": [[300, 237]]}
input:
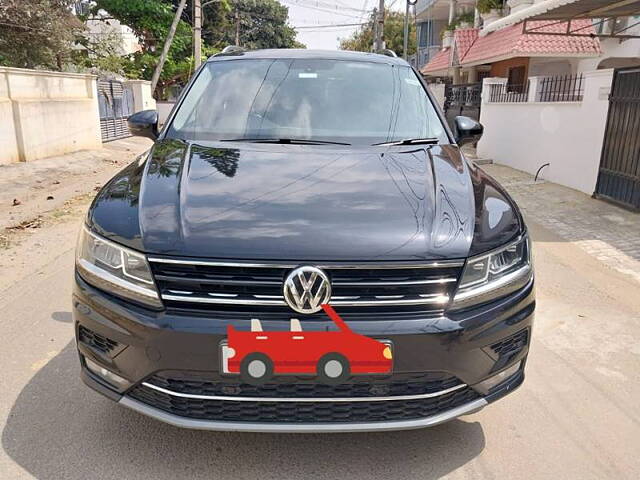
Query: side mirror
{"points": [[144, 124], [467, 130]]}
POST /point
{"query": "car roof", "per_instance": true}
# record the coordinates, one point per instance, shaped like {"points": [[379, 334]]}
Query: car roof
{"points": [[301, 53]]}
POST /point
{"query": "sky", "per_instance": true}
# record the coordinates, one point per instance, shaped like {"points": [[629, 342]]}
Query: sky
{"points": [[313, 15]]}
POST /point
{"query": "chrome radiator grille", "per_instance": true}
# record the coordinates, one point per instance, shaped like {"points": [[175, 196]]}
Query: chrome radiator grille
{"points": [[251, 287]]}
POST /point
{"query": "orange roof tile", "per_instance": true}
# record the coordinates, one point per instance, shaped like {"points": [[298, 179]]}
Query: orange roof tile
{"points": [[512, 42], [440, 61], [463, 40]]}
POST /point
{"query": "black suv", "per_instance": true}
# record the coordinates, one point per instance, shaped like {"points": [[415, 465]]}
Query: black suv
{"points": [[284, 180]]}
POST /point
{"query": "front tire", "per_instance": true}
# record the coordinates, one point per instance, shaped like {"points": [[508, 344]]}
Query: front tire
{"points": [[333, 368], [256, 369]]}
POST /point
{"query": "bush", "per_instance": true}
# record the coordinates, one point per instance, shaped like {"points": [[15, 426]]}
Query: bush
{"points": [[484, 6]]}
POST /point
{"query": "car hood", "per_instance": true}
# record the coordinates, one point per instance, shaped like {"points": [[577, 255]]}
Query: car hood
{"points": [[292, 202]]}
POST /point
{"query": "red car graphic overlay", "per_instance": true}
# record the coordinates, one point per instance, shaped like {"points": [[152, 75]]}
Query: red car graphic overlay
{"points": [[333, 355]]}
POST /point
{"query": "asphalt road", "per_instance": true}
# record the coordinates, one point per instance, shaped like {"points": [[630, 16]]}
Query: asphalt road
{"points": [[576, 416]]}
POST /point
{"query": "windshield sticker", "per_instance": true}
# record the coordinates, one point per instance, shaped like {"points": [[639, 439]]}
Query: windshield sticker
{"points": [[307, 75]]}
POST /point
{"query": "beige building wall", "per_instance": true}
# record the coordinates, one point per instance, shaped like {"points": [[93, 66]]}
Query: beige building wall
{"points": [[566, 135], [46, 113], [8, 143]]}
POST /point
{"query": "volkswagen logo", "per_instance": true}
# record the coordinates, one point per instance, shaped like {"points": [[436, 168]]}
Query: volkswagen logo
{"points": [[306, 289]]}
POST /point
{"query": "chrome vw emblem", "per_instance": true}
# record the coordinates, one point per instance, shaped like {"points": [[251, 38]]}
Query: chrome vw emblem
{"points": [[306, 289]]}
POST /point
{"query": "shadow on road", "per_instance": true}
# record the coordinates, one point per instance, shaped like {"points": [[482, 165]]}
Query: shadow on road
{"points": [[64, 317], [58, 428]]}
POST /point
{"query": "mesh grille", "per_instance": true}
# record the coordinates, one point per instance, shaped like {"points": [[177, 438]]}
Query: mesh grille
{"points": [[362, 386], [292, 412], [102, 344], [511, 345]]}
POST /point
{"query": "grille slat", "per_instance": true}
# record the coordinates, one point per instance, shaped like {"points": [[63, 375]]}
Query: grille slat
{"points": [[220, 286], [293, 412], [361, 386], [511, 345], [98, 342]]}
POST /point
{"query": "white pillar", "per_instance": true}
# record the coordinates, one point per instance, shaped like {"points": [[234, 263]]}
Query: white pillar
{"points": [[534, 86], [142, 95]]}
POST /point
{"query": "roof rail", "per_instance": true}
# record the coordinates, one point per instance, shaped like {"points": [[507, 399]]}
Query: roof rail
{"points": [[387, 51], [231, 49]]}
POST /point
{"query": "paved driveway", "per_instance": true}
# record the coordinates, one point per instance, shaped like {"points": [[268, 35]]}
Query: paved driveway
{"points": [[576, 416], [607, 232]]}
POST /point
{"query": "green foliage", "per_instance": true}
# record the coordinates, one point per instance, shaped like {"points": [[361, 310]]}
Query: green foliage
{"points": [[37, 33], [362, 39], [263, 24], [150, 21], [466, 17], [484, 6]]}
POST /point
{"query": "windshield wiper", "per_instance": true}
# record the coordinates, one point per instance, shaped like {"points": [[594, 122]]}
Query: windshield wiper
{"points": [[410, 141], [300, 141]]}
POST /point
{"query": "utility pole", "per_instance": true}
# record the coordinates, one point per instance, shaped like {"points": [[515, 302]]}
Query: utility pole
{"points": [[405, 44], [237, 18], [167, 45], [375, 30], [197, 32], [379, 37]]}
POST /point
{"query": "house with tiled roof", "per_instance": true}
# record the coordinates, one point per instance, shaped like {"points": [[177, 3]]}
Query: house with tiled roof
{"points": [[512, 51]]}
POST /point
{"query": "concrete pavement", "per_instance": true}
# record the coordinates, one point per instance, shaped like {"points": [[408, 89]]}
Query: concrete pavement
{"points": [[43, 185], [576, 416]]}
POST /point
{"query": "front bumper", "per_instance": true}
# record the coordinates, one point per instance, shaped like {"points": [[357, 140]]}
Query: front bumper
{"points": [[457, 345]]}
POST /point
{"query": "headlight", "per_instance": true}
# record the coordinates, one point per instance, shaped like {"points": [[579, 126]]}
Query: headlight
{"points": [[490, 276], [115, 269]]}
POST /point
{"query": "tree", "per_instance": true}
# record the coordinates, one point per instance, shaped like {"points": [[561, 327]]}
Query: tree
{"points": [[150, 21], [37, 33], [362, 39], [259, 24]]}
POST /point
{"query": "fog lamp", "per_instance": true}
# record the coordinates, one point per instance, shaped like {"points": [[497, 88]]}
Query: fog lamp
{"points": [[108, 376], [491, 382]]}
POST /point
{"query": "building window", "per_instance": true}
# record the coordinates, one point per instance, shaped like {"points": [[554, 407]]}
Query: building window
{"points": [[516, 79]]}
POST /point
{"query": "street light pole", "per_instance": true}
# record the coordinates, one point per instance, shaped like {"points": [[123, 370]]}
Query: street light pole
{"points": [[405, 45]]}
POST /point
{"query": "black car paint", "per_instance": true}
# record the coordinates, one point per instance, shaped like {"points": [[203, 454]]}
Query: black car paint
{"points": [[456, 342], [307, 203]]}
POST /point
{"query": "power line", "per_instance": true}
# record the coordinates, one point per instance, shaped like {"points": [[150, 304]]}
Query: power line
{"points": [[325, 4], [331, 25], [326, 10]]}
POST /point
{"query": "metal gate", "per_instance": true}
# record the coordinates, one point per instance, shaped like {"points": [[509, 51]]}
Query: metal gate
{"points": [[115, 103], [619, 175], [462, 99]]}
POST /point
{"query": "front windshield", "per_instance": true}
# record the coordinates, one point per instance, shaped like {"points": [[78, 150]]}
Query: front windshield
{"points": [[316, 100]]}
